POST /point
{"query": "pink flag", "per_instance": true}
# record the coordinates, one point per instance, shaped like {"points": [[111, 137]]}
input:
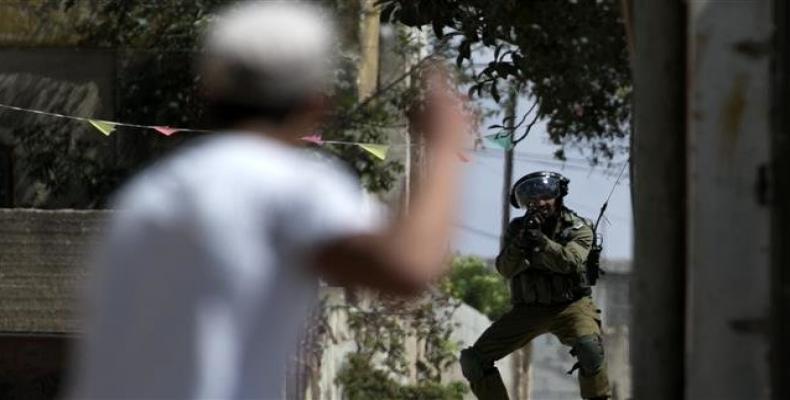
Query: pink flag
{"points": [[316, 139], [166, 130]]}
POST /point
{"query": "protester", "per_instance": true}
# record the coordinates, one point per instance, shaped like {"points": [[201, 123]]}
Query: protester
{"points": [[211, 262]]}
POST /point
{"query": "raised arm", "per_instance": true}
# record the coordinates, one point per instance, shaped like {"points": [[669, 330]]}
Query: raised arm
{"points": [[411, 253]]}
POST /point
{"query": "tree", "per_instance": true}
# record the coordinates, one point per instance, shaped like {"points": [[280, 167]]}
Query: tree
{"points": [[380, 367], [472, 281], [154, 44], [162, 86], [570, 56]]}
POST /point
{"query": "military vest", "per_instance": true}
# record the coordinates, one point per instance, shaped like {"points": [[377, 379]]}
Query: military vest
{"points": [[556, 276]]}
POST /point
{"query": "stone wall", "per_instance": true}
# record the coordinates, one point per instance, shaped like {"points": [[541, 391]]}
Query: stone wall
{"points": [[41, 267], [42, 257]]}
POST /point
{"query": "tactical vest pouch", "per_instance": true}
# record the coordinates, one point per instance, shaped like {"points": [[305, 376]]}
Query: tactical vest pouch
{"points": [[593, 265]]}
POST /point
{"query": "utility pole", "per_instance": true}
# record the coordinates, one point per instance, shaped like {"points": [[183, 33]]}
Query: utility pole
{"points": [[780, 278], [521, 358], [659, 279], [510, 114]]}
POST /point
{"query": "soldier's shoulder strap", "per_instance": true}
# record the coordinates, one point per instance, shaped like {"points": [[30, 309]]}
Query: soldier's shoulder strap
{"points": [[576, 221]]}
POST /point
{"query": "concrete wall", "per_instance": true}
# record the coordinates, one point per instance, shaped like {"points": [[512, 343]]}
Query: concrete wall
{"points": [[705, 182], [337, 343], [551, 360], [727, 316]]}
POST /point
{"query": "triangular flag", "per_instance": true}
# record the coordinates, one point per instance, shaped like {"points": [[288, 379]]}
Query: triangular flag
{"points": [[504, 141], [104, 127], [316, 139], [378, 150], [166, 130]]}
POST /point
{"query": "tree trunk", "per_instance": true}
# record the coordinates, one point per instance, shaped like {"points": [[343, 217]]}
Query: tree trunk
{"points": [[367, 79]]}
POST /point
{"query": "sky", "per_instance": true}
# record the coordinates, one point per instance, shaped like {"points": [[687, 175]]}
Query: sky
{"points": [[479, 222]]}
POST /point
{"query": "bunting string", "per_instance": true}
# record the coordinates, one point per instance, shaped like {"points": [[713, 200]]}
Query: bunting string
{"points": [[108, 127], [380, 151], [165, 130]]}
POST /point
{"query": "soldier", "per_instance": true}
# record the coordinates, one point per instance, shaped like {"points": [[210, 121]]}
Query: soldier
{"points": [[543, 257]]}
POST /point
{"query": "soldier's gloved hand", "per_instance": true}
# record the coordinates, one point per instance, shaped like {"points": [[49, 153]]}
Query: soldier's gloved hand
{"points": [[534, 238], [534, 220], [520, 240]]}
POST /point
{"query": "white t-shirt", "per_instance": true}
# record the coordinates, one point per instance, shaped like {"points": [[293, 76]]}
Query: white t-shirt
{"points": [[202, 286]]}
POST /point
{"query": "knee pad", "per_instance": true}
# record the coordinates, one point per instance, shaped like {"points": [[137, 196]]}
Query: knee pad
{"points": [[472, 365], [589, 351]]}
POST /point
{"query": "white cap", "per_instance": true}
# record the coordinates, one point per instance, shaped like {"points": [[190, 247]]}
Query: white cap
{"points": [[268, 53]]}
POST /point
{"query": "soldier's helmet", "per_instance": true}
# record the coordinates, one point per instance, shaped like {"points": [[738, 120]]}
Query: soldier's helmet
{"points": [[538, 185]]}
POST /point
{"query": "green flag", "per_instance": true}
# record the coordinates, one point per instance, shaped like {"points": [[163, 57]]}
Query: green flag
{"points": [[502, 140]]}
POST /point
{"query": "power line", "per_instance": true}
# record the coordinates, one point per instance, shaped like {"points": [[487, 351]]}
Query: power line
{"points": [[543, 157], [556, 164], [562, 165]]}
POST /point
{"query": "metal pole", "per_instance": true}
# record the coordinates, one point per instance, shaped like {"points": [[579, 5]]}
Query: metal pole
{"points": [[659, 151], [507, 182], [780, 204]]}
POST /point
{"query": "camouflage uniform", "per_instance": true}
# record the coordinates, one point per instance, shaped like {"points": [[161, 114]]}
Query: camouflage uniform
{"points": [[549, 295]]}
